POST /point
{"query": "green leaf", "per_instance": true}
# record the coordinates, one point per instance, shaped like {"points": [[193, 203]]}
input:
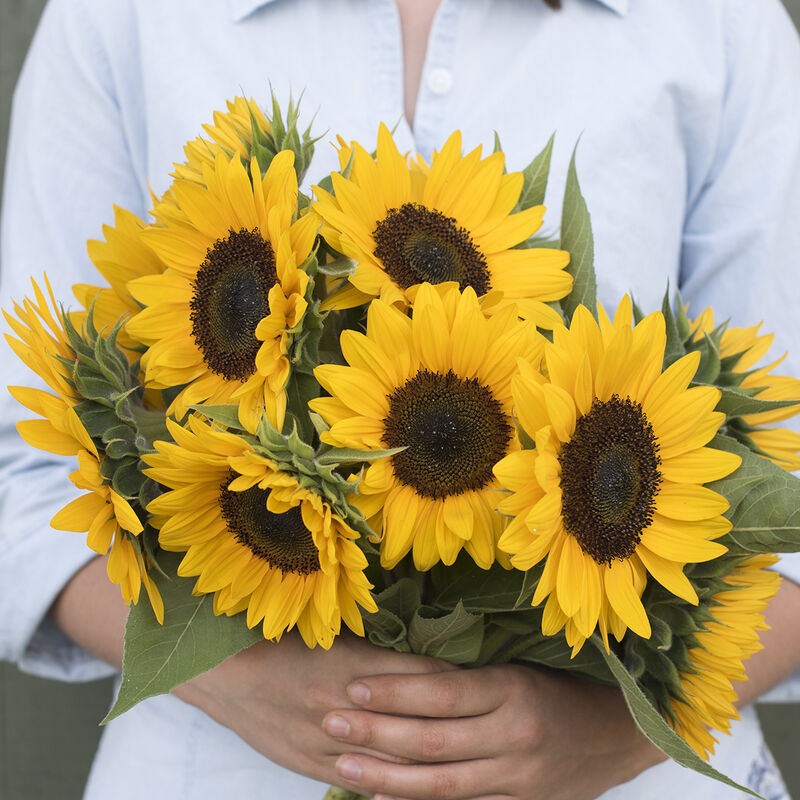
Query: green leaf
{"points": [[654, 726], [534, 183], [192, 640], [576, 238], [455, 637], [529, 583], [401, 598], [480, 590], [385, 629], [397, 605], [227, 415], [765, 503], [554, 652]]}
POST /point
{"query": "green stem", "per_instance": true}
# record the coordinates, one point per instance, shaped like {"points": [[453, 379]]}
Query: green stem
{"points": [[494, 644], [514, 647], [336, 793]]}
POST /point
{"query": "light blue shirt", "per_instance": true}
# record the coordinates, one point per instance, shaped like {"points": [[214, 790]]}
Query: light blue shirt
{"points": [[689, 118]]}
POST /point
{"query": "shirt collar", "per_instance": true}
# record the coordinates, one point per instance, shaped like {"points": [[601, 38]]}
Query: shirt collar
{"points": [[620, 6], [243, 8]]}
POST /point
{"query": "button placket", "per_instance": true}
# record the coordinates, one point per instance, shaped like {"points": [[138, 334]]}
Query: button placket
{"points": [[438, 80]]}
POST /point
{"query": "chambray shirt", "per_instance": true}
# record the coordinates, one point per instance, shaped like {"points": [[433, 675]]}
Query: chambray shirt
{"points": [[688, 114]]}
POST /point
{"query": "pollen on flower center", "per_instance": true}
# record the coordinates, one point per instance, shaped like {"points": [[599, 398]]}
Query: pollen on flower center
{"points": [[609, 479], [280, 539], [416, 244], [230, 297], [454, 432]]}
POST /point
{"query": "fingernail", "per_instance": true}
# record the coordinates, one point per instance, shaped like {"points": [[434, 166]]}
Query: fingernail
{"points": [[348, 768], [359, 693], [338, 727]]}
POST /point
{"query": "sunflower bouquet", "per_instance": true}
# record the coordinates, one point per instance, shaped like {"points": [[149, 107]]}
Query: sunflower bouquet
{"points": [[393, 406]]}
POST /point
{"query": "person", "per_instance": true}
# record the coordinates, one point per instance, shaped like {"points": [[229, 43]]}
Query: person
{"points": [[689, 157]]}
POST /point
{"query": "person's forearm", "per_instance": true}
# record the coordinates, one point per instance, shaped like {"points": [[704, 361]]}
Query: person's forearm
{"points": [[91, 611]]}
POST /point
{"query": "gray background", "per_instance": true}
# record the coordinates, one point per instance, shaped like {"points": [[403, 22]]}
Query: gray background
{"points": [[48, 731]]}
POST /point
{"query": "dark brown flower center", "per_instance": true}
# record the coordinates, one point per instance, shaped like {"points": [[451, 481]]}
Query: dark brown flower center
{"points": [[230, 297], [282, 540], [454, 432], [416, 244], [609, 479]]}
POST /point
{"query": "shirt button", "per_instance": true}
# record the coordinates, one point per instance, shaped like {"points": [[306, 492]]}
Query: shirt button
{"points": [[440, 80]]}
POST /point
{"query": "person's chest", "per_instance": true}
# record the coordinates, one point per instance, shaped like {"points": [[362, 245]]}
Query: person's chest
{"points": [[646, 119]]}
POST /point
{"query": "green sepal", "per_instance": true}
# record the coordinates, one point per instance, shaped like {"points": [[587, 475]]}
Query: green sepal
{"points": [[684, 325], [674, 348], [738, 430], [340, 267], [658, 665], [127, 478], [92, 388], [678, 620], [226, 415], [737, 402], [653, 725], [315, 470], [576, 238], [710, 366], [283, 135], [534, 177], [120, 441], [345, 455], [95, 418]]}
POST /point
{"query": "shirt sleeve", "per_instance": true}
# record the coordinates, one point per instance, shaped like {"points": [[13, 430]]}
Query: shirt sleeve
{"points": [[741, 240], [68, 161]]}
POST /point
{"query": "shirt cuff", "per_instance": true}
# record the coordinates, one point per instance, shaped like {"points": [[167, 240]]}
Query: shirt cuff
{"points": [[36, 562]]}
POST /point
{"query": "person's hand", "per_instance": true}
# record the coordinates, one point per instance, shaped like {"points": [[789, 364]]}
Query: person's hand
{"points": [[507, 732], [274, 696]]}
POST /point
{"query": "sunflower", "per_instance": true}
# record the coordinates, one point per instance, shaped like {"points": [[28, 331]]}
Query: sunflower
{"points": [[746, 347], [613, 490], [405, 225], [231, 134], [105, 515], [122, 257], [716, 661], [218, 319], [437, 385], [255, 538]]}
